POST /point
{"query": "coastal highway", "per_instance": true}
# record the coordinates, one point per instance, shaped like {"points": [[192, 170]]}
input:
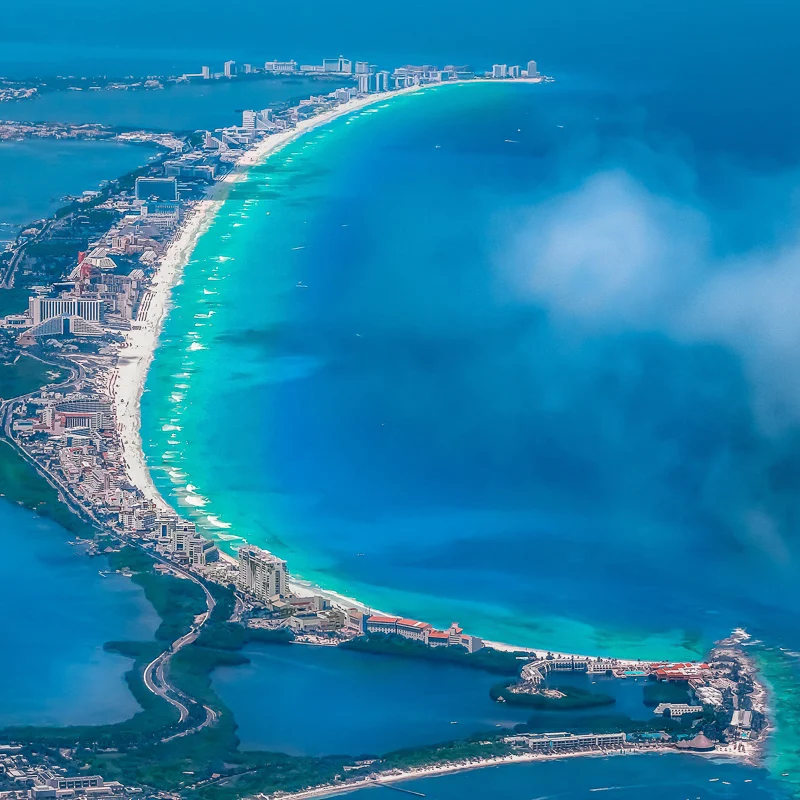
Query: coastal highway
{"points": [[155, 673]]}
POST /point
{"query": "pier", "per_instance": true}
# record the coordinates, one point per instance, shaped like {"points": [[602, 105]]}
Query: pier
{"points": [[400, 789]]}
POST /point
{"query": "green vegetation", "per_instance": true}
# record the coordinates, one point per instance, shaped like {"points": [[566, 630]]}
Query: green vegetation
{"points": [[132, 751], [232, 636], [26, 375], [574, 698], [476, 746], [498, 662], [21, 483], [656, 692]]}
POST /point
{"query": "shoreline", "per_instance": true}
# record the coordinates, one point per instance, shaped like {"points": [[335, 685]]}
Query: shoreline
{"points": [[399, 776], [129, 376]]}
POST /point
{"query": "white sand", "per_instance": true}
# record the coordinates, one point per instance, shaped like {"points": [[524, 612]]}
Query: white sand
{"points": [[457, 766], [136, 355], [127, 383]]}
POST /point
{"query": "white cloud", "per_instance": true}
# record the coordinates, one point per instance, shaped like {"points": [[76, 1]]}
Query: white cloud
{"points": [[611, 254]]}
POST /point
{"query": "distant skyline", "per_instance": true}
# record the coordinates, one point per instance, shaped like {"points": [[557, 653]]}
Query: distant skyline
{"points": [[732, 39]]}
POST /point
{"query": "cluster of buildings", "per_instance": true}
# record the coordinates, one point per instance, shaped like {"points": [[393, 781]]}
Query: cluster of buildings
{"points": [[94, 299], [423, 632], [369, 78], [362, 79], [9, 93], [23, 779], [72, 436], [106, 287], [263, 579], [502, 71]]}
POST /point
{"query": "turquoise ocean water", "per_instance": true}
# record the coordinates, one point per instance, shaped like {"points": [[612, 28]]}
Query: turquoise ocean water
{"points": [[428, 393], [642, 539], [455, 356]]}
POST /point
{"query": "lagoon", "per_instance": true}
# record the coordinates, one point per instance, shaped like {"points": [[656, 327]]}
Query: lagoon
{"points": [[36, 174], [334, 701], [58, 612], [181, 107]]}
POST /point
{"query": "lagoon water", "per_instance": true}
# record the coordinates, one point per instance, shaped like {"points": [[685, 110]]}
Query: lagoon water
{"points": [[383, 703], [58, 612], [37, 173], [182, 107], [335, 701]]}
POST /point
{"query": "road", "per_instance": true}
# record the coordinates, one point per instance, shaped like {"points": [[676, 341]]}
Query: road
{"points": [[155, 675]]}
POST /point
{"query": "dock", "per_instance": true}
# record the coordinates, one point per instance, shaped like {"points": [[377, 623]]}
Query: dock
{"points": [[400, 789]]}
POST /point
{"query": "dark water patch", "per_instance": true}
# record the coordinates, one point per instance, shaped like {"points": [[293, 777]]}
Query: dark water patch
{"points": [[384, 703]]}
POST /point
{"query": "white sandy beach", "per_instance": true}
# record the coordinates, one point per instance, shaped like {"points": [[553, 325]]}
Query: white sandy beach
{"points": [[136, 355], [128, 381], [446, 769]]}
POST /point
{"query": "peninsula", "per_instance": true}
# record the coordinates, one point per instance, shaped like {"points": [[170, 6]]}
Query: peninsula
{"points": [[100, 316]]}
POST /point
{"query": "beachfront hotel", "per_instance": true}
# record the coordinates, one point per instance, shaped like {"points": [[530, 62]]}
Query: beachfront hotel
{"points": [[422, 632], [261, 574]]}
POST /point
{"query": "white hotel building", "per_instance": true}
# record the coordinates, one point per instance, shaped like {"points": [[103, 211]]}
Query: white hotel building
{"points": [[261, 574]]}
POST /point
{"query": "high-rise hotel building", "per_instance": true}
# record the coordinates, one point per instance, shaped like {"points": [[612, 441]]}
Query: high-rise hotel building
{"points": [[261, 574], [44, 308]]}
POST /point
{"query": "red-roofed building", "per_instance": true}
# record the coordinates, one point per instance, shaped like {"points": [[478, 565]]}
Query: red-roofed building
{"points": [[438, 639], [422, 632], [413, 629], [379, 624]]}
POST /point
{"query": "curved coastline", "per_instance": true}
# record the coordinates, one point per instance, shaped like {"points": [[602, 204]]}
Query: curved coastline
{"points": [[127, 385], [127, 382], [128, 379]]}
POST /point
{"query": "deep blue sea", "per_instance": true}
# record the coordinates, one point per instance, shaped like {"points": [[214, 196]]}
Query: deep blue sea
{"points": [[470, 353], [58, 612]]}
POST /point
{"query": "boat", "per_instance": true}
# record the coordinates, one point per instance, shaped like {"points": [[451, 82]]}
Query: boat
{"points": [[301, 285]]}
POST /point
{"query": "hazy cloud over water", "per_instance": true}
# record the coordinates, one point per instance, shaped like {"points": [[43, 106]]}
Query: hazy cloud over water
{"points": [[613, 254]]}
